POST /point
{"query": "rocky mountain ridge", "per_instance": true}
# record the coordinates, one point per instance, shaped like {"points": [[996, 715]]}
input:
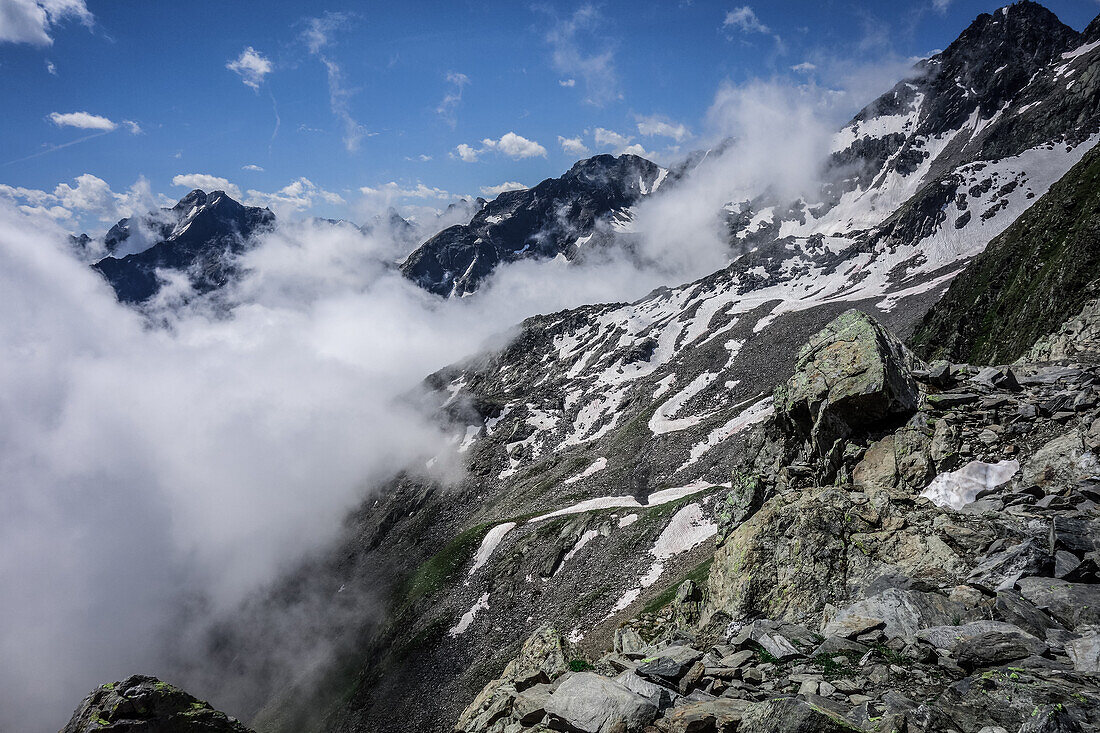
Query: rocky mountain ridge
{"points": [[554, 218], [197, 237]]}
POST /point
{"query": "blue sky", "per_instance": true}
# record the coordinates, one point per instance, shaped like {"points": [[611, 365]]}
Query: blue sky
{"points": [[353, 96]]}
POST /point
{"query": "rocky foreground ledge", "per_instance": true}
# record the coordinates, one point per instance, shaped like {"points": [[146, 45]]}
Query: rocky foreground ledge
{"points": [[142, 704], [905, 547]]}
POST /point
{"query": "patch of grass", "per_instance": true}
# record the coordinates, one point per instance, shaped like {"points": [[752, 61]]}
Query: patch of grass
{"points": [[698, 575], [440, 567], [580, 665]]}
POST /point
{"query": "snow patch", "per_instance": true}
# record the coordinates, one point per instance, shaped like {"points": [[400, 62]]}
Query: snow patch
{"points": [[956, 489], [468, 617], [489, 543]]}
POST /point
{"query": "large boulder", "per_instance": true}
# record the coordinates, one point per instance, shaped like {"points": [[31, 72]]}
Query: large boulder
{"points": [[591, 703], [791, 715], [851, 376], [541, 659], [142, 703]]}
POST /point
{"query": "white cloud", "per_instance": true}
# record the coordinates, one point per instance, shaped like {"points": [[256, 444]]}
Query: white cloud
{"points": [[506, 186], [572, 41], [300, 195], [207, 183], [573, 145], [941, 5], [318, 36], [30, 21], [395, 190], [804, 67], [636, 149], [516, 146], [610, 139], [447, 106], [654, 126], [510, 144], [252, 167], [251, 66], [466, 153], [82, 120], [744, 19], [567, 83], [87, 196], [133, 127], [51, 69], [424, 158]]}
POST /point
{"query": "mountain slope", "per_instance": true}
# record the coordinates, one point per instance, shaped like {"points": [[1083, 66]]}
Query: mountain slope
{"points": [[545, 221], [199, 236], [598, 442], [1028, 281]]}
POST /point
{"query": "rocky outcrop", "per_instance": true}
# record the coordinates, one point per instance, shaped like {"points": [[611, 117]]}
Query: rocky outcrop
{"points": [[142, 704], [540, 222], [946, 579]]}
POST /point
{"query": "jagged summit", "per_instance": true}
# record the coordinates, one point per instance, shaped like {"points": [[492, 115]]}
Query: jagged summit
{"points": [[550, 219], [197, 235]]}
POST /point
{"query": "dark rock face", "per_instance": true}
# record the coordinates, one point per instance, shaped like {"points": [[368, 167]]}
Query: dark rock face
{"points": [[142, 704], [199, 235], [541, 222]]}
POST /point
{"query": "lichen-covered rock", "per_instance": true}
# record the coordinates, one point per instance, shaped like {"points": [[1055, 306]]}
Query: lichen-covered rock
{"points": [[541, 659], [142, 704], [590, 703], [851, 375]]}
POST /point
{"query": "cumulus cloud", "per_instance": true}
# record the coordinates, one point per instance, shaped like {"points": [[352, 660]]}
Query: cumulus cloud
{"points": [[572, 40], [133, 127], [394, 189], [207, 183], [610, 139], [31, 21], [252, 167], [501, 188], [567, 83], [299, 195], [82, 120], [466, 153], [573, 145], [655, 126], [510, 144], [51, 69], [805, 66], [451, 99], [251, 66]]}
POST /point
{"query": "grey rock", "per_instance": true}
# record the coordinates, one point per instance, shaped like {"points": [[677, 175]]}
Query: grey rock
{"points": [[594, 704], [791, 715], [1013, 608], [143, 703], [529, 707], [1084, 652], [950, 637], [997, 647], [670, 664], [1051, 719], [903, 612], [1001, 570], [659, 695], [1072, 604]]}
